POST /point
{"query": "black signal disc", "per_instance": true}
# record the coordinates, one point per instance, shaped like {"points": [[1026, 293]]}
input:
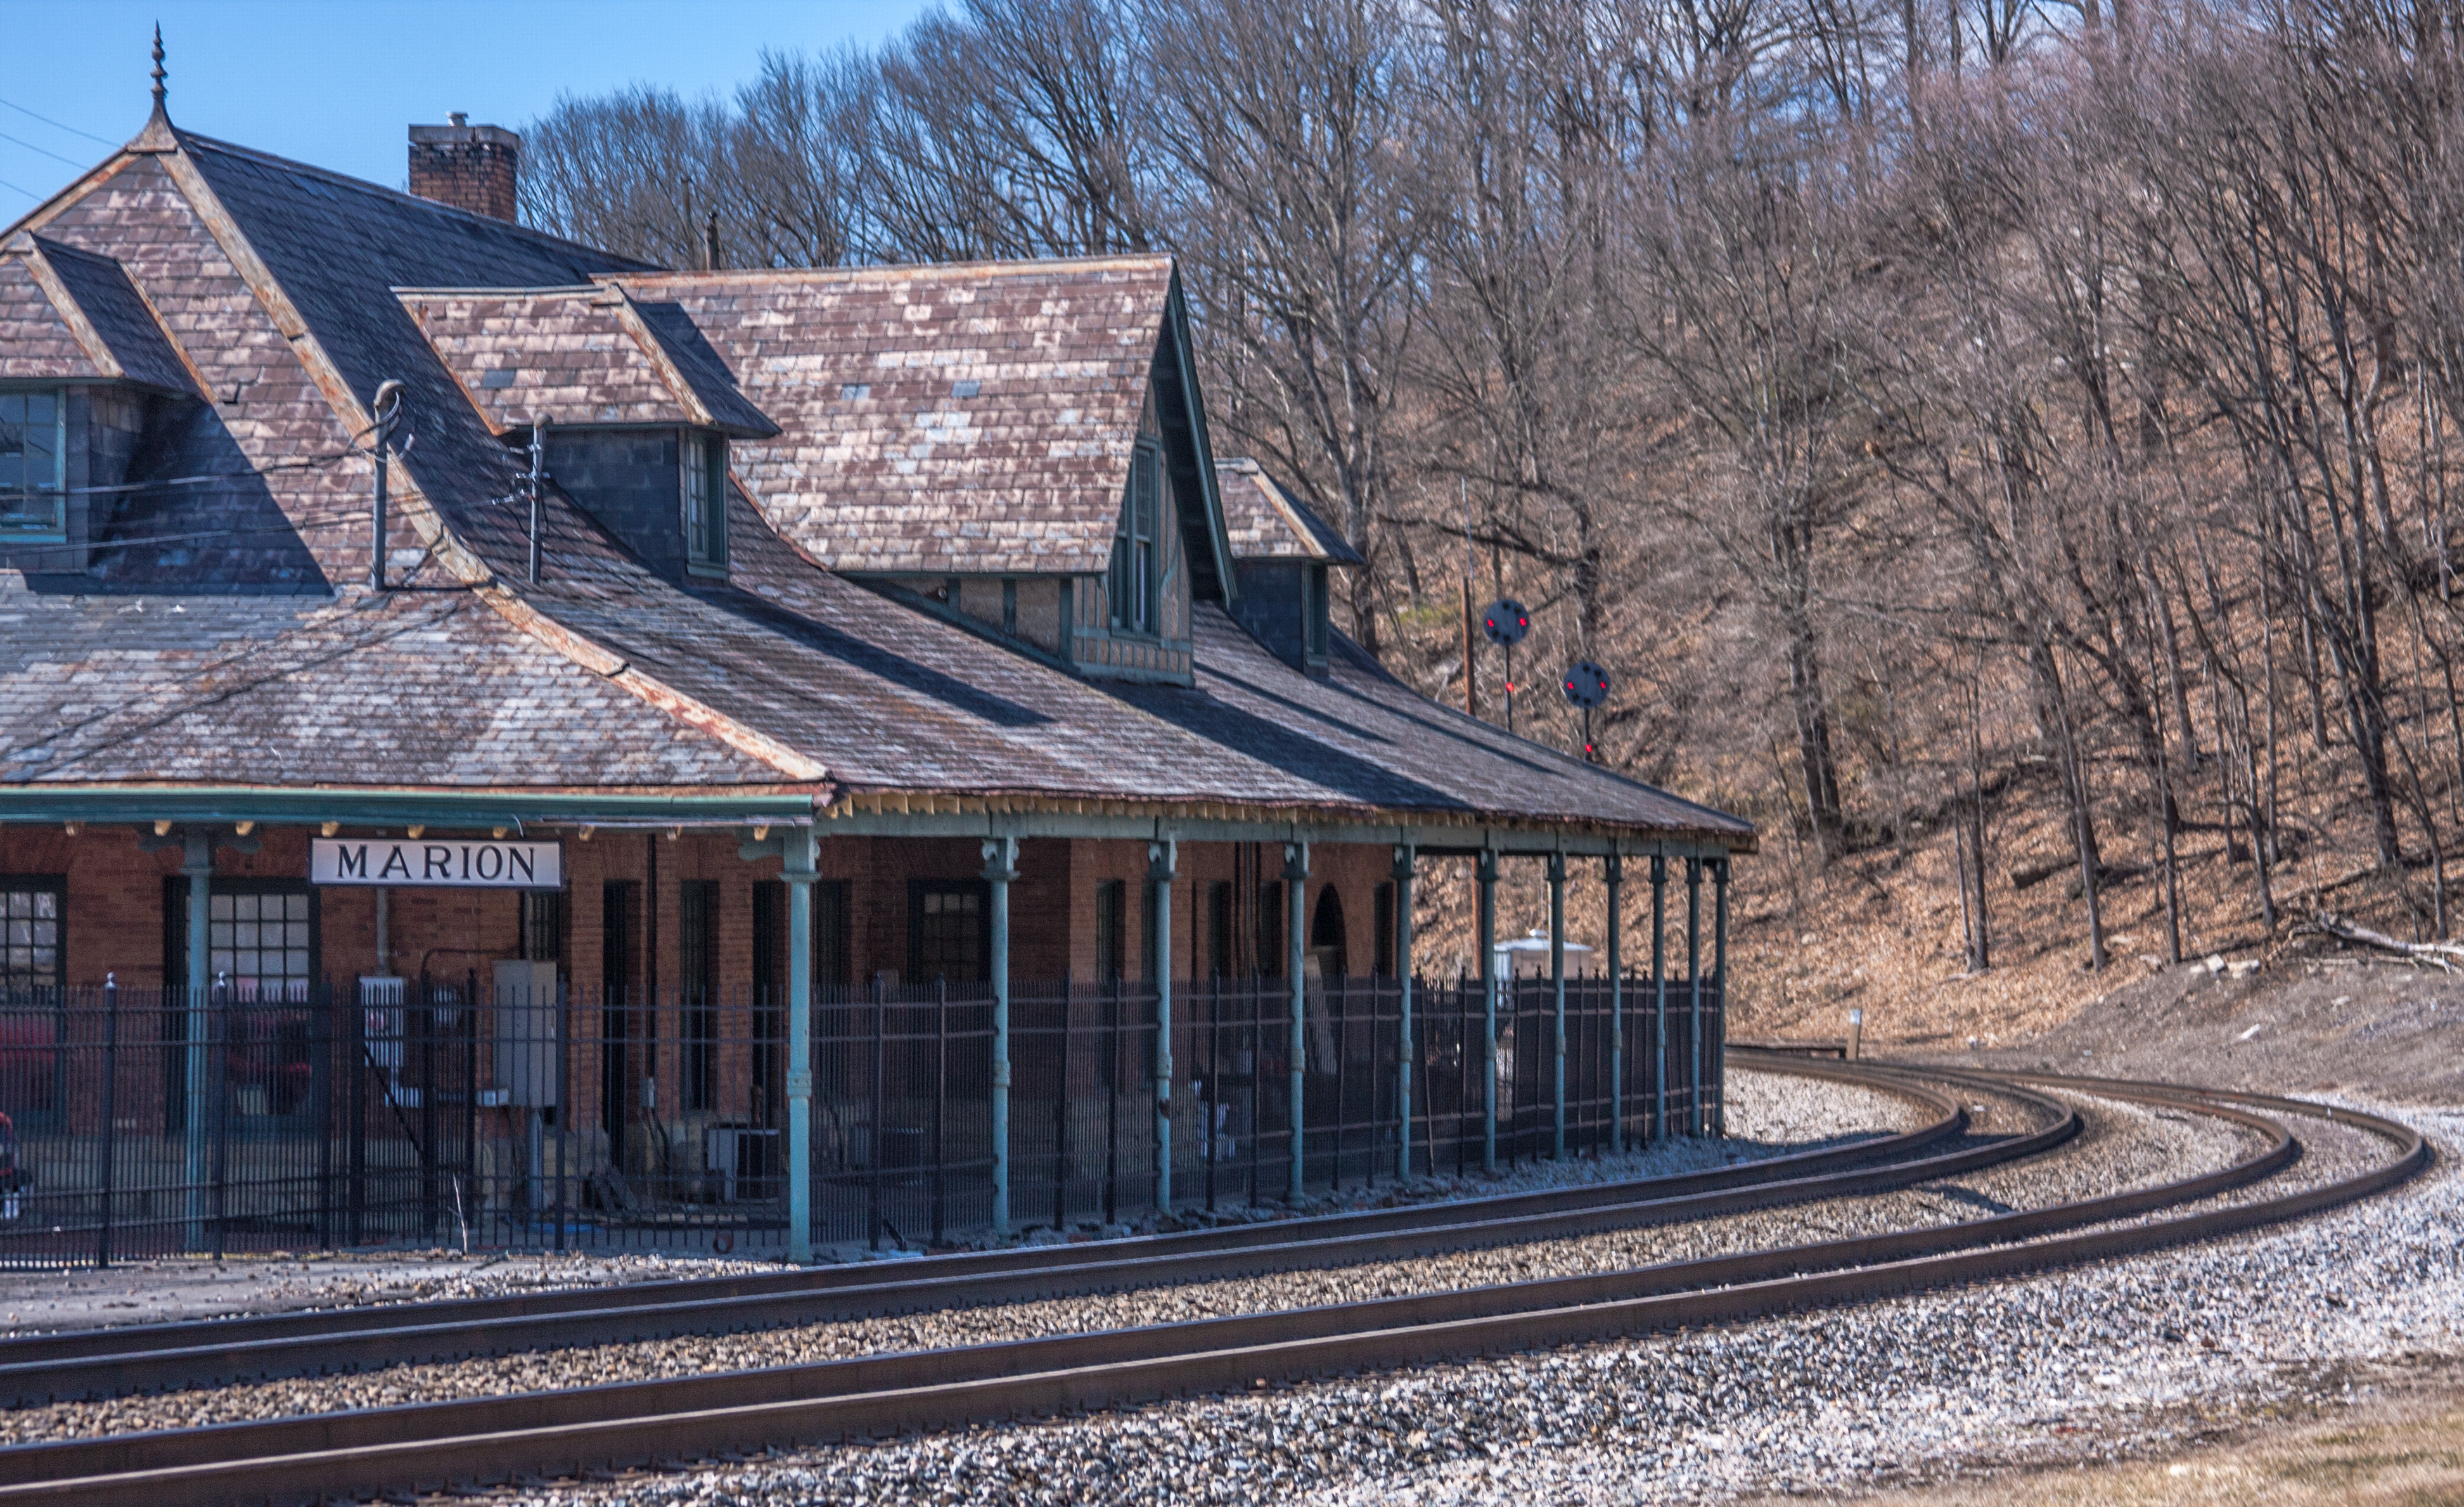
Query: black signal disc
{"points": [[1505, 622], [1587, 684]]}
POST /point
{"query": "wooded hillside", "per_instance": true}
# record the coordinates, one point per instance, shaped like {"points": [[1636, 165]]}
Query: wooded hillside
{"points": [[2002, 450]]}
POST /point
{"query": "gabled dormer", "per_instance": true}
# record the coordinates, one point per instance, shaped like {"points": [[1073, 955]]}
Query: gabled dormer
{"points": [[1017, 447], [86, 372], [639, 411], [1283, 557]]}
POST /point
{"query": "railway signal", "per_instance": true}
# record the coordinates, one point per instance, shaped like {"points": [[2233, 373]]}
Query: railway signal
{"points": [[1587, 685], [1505, 622]]}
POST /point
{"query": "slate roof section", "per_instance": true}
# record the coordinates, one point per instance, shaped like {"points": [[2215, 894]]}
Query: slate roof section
{"points": [[406, 690], [35, 341], [132, 337], [606, 675], [578, 355], [1266, 522], [970, 419]]}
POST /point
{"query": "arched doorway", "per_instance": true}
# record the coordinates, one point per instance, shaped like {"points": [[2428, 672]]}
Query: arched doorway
{"points": [[1325, 934]]}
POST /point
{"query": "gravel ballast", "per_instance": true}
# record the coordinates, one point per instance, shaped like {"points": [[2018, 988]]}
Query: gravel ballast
{"points": [[2127, 1146], [2151, 1353]]}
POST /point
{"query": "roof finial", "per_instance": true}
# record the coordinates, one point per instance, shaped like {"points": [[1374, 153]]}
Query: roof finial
{"points": [[159, 73]]}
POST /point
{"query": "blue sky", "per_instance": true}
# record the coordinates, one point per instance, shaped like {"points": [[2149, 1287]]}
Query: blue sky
{"points": [[336, 83]]}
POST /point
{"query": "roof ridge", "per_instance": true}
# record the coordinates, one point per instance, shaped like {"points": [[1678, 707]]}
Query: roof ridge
{"points": [[190, 140], [914, 271]]}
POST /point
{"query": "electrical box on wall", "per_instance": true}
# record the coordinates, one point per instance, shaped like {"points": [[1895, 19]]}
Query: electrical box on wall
{"points": [[530, 1047]]}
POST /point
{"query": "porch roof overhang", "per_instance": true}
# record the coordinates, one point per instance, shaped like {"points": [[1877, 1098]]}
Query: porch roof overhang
{"points": [[444, 808], [869, 815]]}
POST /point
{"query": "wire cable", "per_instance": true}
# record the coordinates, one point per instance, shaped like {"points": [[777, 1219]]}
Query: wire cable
{"points": [[45, 150], [28, 192], [58, 125]]}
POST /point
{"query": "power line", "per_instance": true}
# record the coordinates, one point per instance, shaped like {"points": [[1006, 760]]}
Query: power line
{"points": [[58, 125], [45, 150], [28, 192]]}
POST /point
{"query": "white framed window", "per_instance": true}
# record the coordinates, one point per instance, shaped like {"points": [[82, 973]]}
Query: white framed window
{"points": [[260, 942], [1136, 553], [34, 463], [705, 502]]}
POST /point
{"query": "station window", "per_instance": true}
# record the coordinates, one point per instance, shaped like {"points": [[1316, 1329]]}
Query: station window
{"points": [[948, 932], [262, 941], [31, 961], [33, 463], [705, 497], [1132, 587]]}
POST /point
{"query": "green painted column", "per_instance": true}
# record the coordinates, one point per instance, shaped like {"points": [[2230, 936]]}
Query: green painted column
{"points": [[1296, 952], [797, 849], [1694, 1118], [1659, 995], [1613, 870], [1487, 874], [198, 864], [1558, 985], [1403, 859], [1000, 870]]}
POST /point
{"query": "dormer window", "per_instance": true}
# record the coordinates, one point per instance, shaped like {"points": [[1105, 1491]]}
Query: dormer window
{"points": [[33, 463], [704, 459], [1132, 586]]}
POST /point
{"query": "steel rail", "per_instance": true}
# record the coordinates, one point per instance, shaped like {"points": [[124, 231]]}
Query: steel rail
{"points": [[155, 1357], [297, 1459]]}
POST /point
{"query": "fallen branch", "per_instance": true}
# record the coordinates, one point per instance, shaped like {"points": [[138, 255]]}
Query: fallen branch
{"points": [[2441, 954]]}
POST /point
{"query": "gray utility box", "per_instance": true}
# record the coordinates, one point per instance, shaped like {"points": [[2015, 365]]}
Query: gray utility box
{"points": [[530, 1046]]}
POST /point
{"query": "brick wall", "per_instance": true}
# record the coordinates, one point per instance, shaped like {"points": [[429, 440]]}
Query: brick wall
{"points": [[472, 167], [115, 920]]}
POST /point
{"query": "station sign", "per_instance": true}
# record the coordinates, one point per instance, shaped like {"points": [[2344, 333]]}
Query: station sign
{"points": [[436, 863]]}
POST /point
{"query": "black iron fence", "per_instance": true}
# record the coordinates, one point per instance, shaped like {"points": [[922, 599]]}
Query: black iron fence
{"points": [[489, 1113]]}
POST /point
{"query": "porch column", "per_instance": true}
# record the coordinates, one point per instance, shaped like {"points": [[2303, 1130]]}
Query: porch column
{"points": [[1613, 870], [1000, 867], [1486, 873], [1163, 861], [198, 864], [1720, 984], [796, 851], [1659, 995], [1557, 983], [1694, 987], [1296, 951], [1403, 857]]}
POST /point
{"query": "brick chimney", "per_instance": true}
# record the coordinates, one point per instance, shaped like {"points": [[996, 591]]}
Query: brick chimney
{"points": [[469, 167]]}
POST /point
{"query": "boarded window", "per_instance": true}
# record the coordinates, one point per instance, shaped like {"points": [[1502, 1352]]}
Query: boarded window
{"points": [[1111, 941]]}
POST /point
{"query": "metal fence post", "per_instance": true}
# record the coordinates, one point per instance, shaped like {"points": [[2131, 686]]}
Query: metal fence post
{"points": [[1162, 867], [321, 1079], [110, 1110], [1112, 1100], [1296, 949], [1060, 1115], [940, 1108], [221, 1077], [880, 1137]]}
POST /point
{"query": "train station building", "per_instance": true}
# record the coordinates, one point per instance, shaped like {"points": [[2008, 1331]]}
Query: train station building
{"points": [[498, 736]]}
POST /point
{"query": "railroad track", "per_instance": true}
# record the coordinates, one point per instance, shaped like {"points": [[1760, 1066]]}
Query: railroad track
{"points": [[146, 1357], [441, 1445]]}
